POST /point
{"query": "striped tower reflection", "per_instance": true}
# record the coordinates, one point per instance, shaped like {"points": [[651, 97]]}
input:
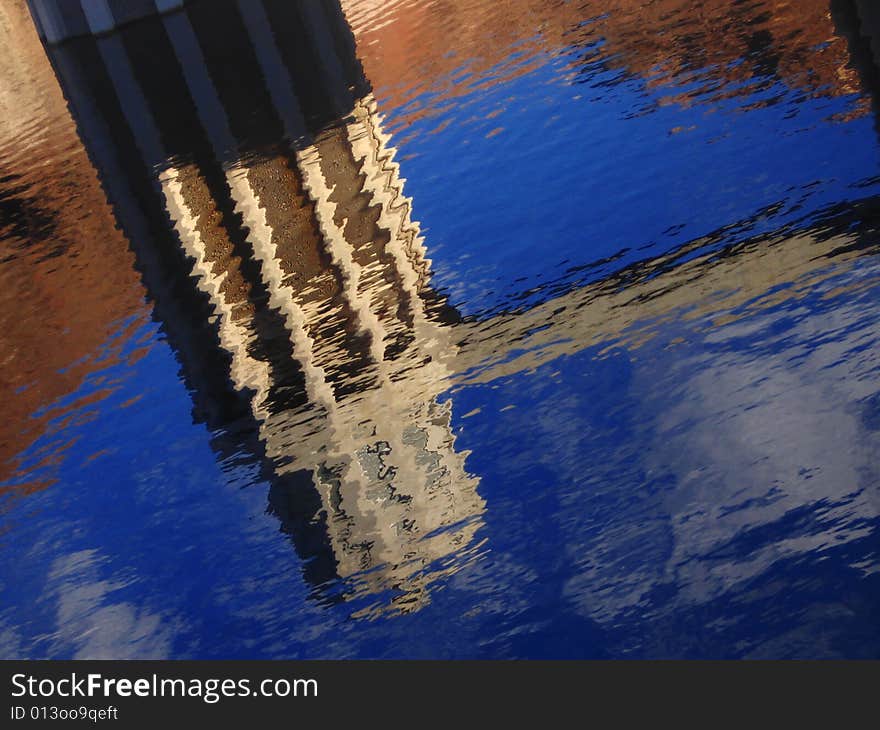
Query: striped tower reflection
{"points": [[272, 231]]}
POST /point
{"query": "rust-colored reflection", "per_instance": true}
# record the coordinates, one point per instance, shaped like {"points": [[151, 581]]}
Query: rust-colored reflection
{"points": [[67, 277], [717, 47]]}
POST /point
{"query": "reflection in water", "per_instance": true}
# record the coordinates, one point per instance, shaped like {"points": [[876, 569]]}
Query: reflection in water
{"points": [[288, 274], [669, 435], [690, 55], [98, 627]]}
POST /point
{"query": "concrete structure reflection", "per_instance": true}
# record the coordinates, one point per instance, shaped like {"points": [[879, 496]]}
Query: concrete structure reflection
{"points": [[288, 274]]}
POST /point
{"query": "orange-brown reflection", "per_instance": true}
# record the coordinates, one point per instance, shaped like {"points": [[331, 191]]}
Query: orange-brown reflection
{"points": [[67, 278], [716, 46]]}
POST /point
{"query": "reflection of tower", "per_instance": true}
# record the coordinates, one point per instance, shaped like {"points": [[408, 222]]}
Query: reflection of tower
{"points": [[280, 253]]}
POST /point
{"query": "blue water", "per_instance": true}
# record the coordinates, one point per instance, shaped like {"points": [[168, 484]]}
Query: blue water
{"points": [[682, 460]]}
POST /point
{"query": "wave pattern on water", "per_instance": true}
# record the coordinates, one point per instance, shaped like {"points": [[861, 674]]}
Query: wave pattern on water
{"points": [[535, 328]]}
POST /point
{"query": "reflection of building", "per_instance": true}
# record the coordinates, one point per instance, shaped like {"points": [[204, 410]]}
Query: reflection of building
{"points": [[702, 279], [289, 277]]}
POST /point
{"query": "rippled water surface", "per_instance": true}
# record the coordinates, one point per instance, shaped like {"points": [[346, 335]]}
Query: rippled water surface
{"points": [[460, 328]]}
